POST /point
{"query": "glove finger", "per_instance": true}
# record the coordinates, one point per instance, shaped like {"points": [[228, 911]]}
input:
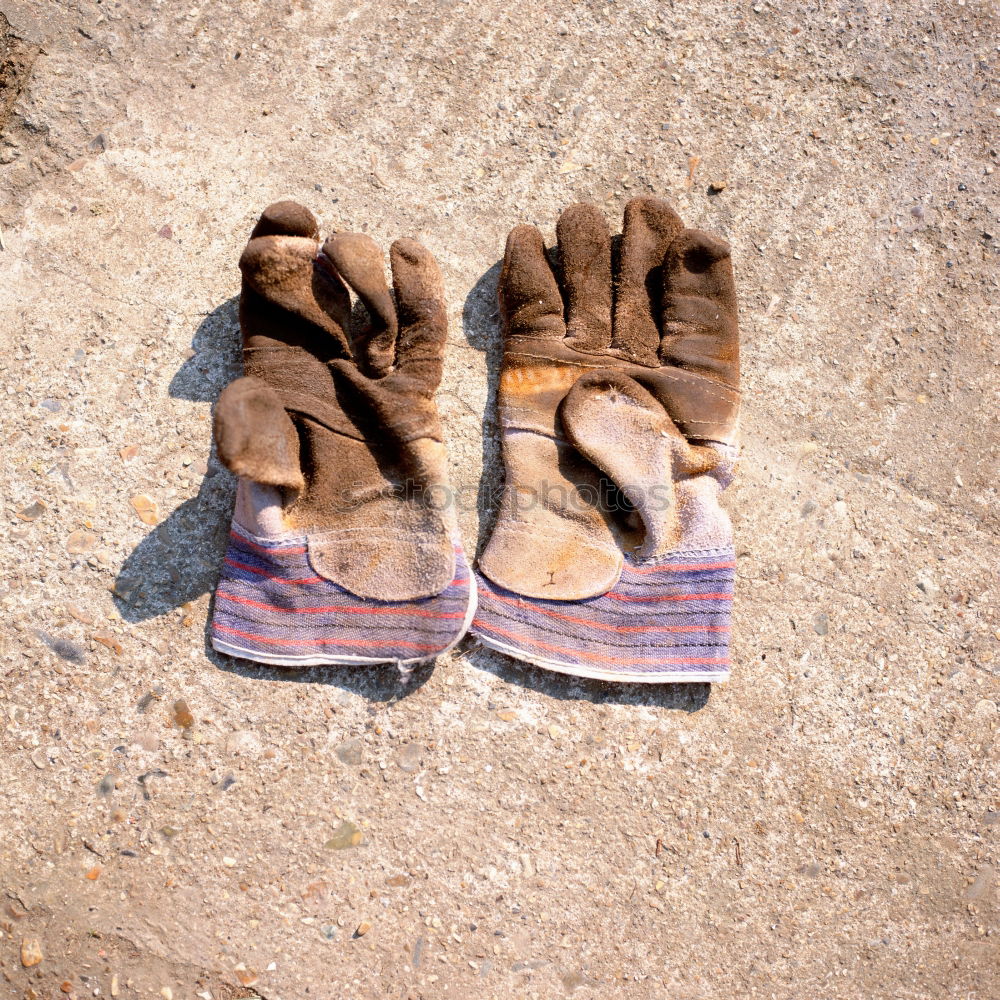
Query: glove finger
{"points": [[384, 411], [619, 426], [530, 302], [285, 300], [423, 318], [585, 255], [286, 218], [649, 228], [255, 436], [358, 260], [698, 307]]}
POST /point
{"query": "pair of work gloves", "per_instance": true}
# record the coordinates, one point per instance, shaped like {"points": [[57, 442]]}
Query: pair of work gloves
{"points": [[618, 403]]}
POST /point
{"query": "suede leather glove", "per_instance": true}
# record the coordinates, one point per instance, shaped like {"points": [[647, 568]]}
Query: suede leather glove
{"points": [[343, 548], [618, 403]]}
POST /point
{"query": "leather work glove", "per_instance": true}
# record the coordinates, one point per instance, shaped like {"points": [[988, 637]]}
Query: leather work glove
{"points": [[618, 404], [343, 547]]}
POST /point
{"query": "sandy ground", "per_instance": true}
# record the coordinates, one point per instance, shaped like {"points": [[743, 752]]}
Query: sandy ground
{"points": [[824, 826]]}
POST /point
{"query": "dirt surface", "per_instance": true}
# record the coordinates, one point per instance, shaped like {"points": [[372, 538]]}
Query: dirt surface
{"points": [[824, 826]]}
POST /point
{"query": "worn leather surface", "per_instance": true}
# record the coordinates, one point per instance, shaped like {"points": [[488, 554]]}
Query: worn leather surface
{"points": [[340, 416], [620, 374]]}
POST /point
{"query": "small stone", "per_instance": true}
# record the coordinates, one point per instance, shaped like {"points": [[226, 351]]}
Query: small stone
{"points": [[555, 732], [114, 985], [408, 757], [33, 511], [80, 542], [166, 232], [182, 714], [66, 986], [247, 977], [717, 187], [229, 862], [345, 835], [146, 508], [79, 614], [329, 931], [398, 881], [94, 874], [363, 928], [351, 752], [821, 623], [506, 715], [106, 639], [31, 952], [125, 589], [167, 993], [128, 452], [106, 785]]}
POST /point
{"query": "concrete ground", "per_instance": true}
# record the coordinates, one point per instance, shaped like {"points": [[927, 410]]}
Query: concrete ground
{"points": [[824, 826]]}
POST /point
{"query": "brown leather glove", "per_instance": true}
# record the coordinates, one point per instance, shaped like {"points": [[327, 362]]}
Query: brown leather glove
{"points": [[335, 436], [618, 404]]}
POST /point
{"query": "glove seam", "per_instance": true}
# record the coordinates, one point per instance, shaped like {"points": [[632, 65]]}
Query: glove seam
{"points": [[663, 372]]}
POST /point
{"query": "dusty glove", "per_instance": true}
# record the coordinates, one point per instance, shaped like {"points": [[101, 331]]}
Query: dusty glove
{"points": [[618, 403], [343, 548]]}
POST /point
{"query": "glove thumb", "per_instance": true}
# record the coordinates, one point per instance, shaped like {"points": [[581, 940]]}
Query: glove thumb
{"points": [[255, 437]]}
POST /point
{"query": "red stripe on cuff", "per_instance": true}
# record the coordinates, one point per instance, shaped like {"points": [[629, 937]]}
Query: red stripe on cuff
{"points": [[670, 597], [271, 576], [681, 567]]}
